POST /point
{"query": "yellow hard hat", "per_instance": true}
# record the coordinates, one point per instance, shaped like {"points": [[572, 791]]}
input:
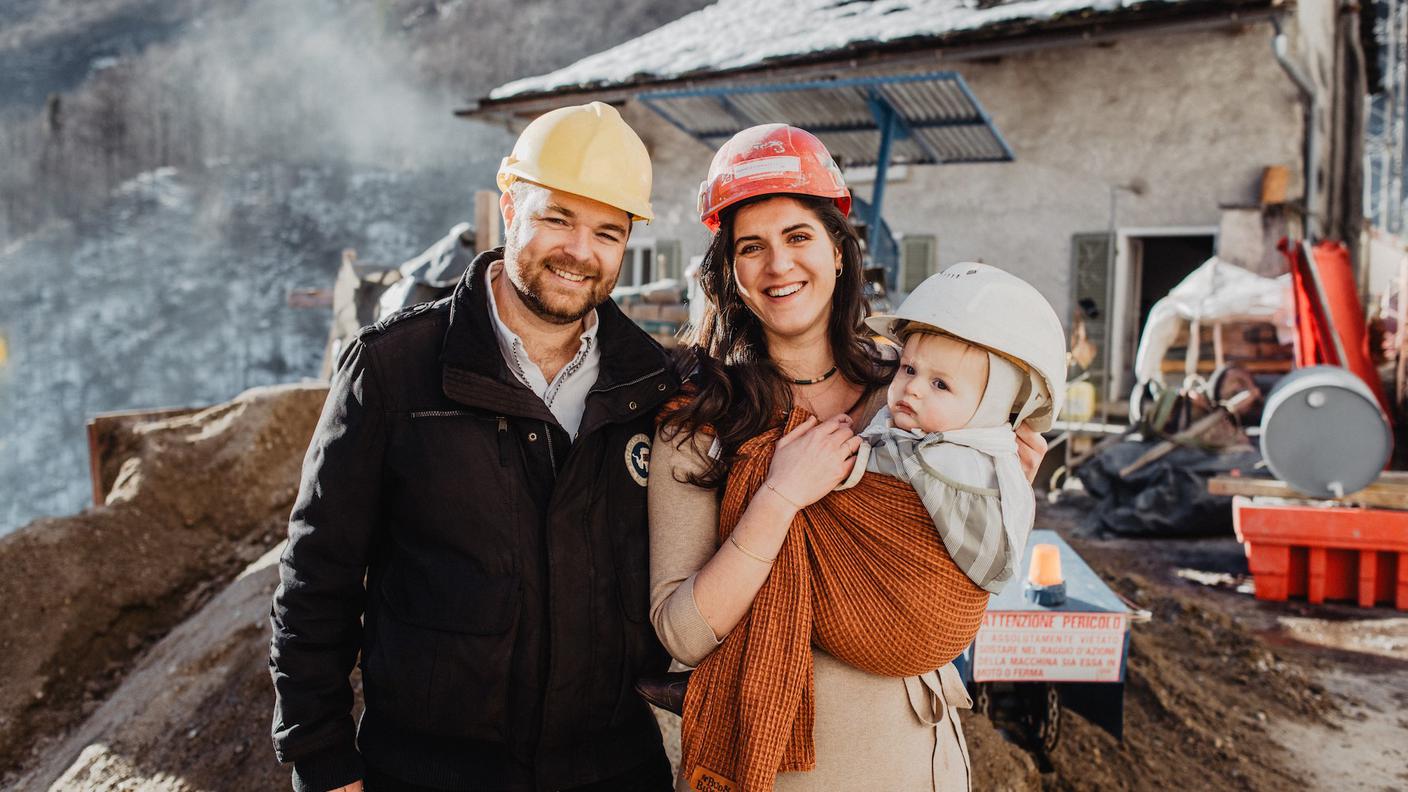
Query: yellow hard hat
{"points": [[586, 150]]}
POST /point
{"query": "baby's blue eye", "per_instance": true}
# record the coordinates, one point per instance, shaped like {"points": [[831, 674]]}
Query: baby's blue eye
{"points": [[939, 384]]}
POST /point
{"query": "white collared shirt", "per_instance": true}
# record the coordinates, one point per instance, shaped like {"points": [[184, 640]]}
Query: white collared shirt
{"points": [[566, 396]]}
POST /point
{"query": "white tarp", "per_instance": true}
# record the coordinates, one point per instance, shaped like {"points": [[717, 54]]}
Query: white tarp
{"points": [[1214, 292]]}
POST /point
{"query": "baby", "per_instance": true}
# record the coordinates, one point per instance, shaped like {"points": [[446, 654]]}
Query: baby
{"points": [[982, 351]]}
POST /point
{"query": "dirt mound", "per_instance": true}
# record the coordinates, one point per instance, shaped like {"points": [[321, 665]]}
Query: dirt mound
{"points": [[1201, 697], [192, 714], [200, 497], [1201, 693], [997, 764], [204, 494]]}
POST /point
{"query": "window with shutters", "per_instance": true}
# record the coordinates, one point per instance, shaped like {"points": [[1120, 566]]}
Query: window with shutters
{"points": [[667, 259], [638, 266], [650, 260]]}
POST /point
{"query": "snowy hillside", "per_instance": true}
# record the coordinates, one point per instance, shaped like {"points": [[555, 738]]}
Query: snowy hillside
{"points": [[179, 298], [173, 168]]}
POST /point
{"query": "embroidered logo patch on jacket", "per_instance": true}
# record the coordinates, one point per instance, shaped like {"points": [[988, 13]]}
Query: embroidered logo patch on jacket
{"points": [[638, 458]]}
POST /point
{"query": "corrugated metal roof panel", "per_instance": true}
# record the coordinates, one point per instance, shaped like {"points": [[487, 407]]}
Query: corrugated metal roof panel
{"points": [[705, 113], [924, 102], [962, 144], [939, 119]]}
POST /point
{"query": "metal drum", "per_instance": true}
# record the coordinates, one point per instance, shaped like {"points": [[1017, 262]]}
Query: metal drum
{"points": [[1322, 432]]}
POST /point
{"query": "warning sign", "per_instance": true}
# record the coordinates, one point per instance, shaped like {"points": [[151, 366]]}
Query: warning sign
{"points": [[1016, 646]]}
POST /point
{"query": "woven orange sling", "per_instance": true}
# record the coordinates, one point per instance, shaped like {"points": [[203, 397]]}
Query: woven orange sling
{"points": [[863, 575]]}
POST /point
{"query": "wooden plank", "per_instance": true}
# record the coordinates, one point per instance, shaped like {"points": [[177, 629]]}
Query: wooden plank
{"points": [[1275, 185], [1390, 491], [96, 452], [1264, 366], [486, 221], [106, 434], [1219, 359], [1400, 378]]}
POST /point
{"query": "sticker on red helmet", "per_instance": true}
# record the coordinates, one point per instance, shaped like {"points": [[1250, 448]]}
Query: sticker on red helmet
{"points": [[767, 166]]}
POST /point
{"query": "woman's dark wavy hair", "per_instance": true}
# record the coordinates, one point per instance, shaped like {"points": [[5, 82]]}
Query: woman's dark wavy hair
{"points": [[741, 393]]}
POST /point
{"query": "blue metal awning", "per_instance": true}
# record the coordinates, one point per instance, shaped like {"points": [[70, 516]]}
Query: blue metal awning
{"points": [[932, 118], [915, 119]]}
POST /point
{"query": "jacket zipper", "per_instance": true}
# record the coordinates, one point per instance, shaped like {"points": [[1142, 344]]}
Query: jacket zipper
{"points": [[547, 546], [439, 413], [503, 441], [635, 381], [552, 458]]}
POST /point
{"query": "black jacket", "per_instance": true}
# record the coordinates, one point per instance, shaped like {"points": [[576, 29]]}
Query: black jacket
{"points": [[503, 618]]}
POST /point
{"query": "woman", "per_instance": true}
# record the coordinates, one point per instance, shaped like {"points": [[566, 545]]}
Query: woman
{"points": [[783, 282]]}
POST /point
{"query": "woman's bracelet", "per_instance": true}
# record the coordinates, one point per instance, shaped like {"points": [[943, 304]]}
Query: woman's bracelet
{"points": [[750, 553], [790, 502]]}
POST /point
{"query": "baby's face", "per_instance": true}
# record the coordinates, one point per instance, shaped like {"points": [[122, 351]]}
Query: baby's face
{"points": [[939, 383]]}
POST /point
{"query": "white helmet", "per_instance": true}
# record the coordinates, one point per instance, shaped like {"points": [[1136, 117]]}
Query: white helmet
{"points": [[1001, 312]]}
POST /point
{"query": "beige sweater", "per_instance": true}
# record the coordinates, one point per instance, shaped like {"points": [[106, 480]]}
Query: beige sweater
{"points": [[872, 732]]}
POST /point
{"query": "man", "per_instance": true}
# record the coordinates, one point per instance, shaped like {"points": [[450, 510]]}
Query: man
{"points": [[471, 519]]}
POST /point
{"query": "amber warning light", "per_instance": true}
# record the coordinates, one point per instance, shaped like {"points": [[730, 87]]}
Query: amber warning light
{"points": [[1045, 586]]}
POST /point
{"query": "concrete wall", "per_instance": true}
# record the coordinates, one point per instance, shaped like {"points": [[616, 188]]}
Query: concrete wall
{"points": [[1312, 30], [1193, 116], [680, 162]]}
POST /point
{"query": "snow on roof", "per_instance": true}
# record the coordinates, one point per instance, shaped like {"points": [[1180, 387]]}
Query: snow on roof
{"points": [[734, 34]]}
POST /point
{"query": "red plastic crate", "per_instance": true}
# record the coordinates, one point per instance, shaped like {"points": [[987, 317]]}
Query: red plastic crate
{"points": [[1325, 553]]}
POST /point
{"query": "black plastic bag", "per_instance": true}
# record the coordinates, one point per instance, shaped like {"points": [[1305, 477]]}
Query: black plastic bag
{"points": [[1168, 497]]}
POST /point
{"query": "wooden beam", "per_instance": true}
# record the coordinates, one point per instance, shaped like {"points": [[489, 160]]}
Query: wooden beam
{"points": [[1390, 491], [1255, 366], [486, 221], [110, 437]]}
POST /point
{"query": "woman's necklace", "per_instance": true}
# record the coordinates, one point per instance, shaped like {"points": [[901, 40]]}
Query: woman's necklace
{"points": [[809, 400], [815, 380]]}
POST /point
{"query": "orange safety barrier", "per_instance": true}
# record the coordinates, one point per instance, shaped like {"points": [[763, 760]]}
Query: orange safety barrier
{"points": [[1325, 553], [1314, 344]]}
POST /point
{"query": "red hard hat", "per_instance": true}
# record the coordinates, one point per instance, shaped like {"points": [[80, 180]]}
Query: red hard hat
{"points": [[766, 159]]}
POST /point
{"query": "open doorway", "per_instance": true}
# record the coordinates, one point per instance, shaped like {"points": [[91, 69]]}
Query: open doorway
{"points": [[1153, 261]]}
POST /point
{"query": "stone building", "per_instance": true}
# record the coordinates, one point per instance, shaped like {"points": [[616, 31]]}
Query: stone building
{"points": [[1178, 125]]}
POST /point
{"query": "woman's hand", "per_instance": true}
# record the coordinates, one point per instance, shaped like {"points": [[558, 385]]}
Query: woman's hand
{"points": [[1031, 447], [812, 459], [355, 786]]}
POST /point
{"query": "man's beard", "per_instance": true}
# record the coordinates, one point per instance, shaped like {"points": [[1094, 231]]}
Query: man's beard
{"points": [[528, 277]]}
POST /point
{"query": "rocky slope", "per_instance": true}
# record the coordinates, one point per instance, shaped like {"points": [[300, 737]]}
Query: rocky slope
{"points": [[196, 498], [135, 638]]}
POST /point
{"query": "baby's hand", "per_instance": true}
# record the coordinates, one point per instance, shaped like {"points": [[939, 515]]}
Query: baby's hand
{"points": [[1031, 447]]}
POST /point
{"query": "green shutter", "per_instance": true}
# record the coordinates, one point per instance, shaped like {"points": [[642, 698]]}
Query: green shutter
{"points": [[918, 259], [1091, 288]]}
